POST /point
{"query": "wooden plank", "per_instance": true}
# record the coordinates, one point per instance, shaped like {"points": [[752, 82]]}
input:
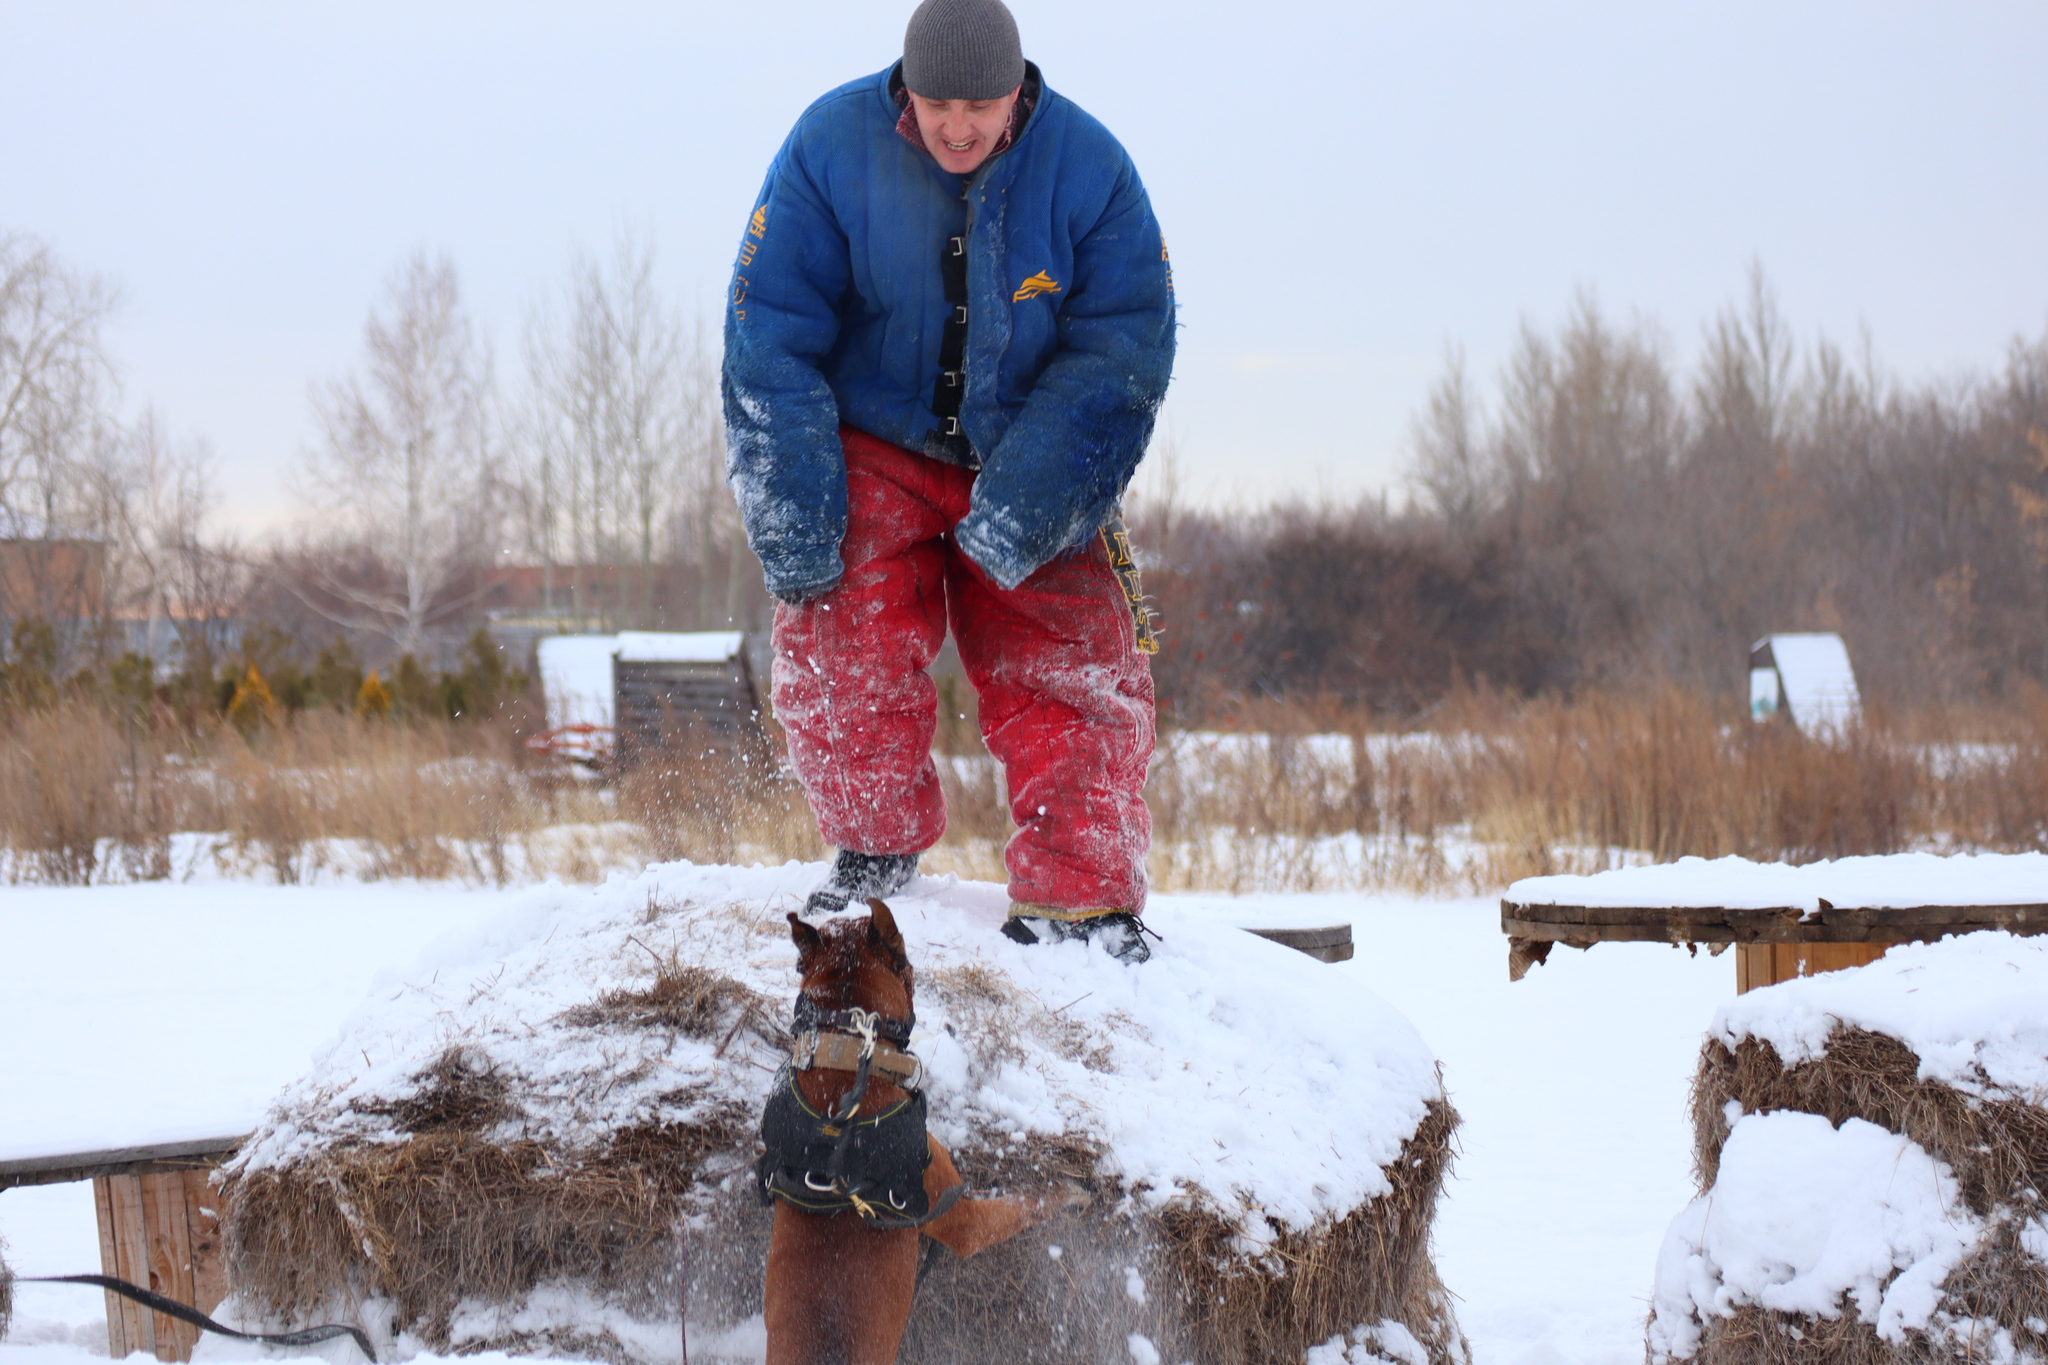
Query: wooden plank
{"points": [[131, 1260], [1650, 926], [169, 1229], [1766, 964], [1752, 966], [206, 1208], [64, 1168], [2019, 919], [1319, 942], [110, 1263]]}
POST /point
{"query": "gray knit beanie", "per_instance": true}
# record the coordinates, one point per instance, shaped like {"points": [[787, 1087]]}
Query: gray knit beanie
{"points": [[962, 50]]}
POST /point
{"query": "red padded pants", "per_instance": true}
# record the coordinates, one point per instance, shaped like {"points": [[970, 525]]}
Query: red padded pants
{"points": [[1066, 698]]}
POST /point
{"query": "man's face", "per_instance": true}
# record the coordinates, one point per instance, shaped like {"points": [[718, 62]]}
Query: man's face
{"points": [[961, 133]]}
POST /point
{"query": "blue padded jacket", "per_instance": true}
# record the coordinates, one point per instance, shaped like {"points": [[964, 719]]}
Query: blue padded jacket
{"points": [[839, 306]]}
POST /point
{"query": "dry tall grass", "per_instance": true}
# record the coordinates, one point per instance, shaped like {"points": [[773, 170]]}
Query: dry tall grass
{"points": [[1295, 798], [89, 794]]}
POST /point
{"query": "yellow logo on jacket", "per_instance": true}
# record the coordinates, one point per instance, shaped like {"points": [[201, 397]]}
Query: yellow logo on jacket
{"points": [[1041, 283]]}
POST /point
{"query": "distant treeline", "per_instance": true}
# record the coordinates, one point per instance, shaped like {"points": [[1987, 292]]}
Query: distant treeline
{"points": [[1597, 517], [1602, 519]]}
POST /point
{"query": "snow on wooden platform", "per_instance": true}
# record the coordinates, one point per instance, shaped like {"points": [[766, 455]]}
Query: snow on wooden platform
{"points": [[1892, 881]]}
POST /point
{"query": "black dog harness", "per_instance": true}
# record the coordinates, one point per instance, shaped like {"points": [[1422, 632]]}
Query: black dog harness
{"points": [[831, 1163]]}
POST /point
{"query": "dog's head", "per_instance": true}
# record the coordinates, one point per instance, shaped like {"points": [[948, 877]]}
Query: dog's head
{"points": [[855, 963]]}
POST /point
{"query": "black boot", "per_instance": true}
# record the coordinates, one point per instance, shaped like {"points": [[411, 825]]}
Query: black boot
{"points": [[856, 876], [1121, 933]]}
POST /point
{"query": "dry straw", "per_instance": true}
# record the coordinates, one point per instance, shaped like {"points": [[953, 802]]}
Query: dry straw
{"points": [[1296, 796], [452, 1229], [460, 1214], [1998, 1149], [6, 1293]]}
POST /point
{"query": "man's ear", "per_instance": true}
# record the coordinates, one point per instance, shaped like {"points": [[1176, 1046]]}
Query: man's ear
{"points": [[806, 938], [883, 933]]}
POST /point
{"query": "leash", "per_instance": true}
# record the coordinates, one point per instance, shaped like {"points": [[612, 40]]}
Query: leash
{"points": [[171, 1308]]}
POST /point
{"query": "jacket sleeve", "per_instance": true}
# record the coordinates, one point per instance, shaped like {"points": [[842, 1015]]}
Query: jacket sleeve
{"points": [[783, 456], [1059, 469]]}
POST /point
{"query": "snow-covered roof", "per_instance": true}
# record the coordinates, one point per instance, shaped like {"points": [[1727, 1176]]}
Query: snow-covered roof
{"points": [[661, 646], [1818, 682], [1890, 881], [576, 678]]}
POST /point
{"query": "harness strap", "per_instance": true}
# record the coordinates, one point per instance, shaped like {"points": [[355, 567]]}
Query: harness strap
{"points": [[877, 1215], [810, 1016], [841, 1052]]}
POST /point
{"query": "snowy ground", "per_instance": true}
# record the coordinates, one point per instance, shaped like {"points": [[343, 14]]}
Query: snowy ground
{"points": [[1572, 1083]]}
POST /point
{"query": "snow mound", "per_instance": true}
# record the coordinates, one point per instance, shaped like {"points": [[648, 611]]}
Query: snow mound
{"points": [[1973, 1008], [1803, 1216], [1870, 1143], [1891, 881], [1383, 1343], [632, 1033]]}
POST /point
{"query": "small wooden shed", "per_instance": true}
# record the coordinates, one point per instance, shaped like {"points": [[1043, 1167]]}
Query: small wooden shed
{"points": [[669, 688], [1805, 678], [613, 699]]}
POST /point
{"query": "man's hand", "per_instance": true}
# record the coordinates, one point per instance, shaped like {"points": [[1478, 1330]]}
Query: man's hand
{"points": [[797, 597]]}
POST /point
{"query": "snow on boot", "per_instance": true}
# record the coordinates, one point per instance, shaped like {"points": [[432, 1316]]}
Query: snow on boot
{"points": [[1121, 933], [856, 876]]}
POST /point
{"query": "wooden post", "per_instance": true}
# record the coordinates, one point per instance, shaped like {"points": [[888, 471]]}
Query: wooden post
{"points": [[160, 1230], [1766, 964]]}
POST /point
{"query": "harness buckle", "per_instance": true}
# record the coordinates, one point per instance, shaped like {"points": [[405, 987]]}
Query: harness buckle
{"points": [[805, 1051], [865, 1023]]}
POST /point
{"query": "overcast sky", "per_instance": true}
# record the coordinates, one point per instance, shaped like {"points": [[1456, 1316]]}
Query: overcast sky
{"points": [[1346, 187]]}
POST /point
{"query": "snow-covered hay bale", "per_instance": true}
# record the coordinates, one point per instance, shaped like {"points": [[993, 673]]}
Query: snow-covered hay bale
{"points": [[1872, 1151], [6, 1293], [498, 1152]]}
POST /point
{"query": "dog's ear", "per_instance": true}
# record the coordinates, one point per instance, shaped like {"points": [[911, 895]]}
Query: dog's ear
{"points": [[806, 938], [883, 933]]}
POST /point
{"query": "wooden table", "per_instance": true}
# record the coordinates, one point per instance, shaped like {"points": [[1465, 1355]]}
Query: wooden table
{"points": [[159, 1228], [1771, 945]]}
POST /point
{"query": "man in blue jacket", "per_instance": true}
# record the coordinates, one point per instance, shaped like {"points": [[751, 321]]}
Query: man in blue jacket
{"points": [[950, 329]]}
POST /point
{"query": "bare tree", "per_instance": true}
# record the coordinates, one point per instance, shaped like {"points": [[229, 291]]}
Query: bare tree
{"points": [[1448, 451], [405, 457], [621, 429], [56, 382], [57, 434], [181, 585]]}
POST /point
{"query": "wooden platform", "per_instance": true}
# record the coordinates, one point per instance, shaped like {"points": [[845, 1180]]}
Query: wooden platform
{"points": [[159, 1225], [1772, 945], [1324, 943]]}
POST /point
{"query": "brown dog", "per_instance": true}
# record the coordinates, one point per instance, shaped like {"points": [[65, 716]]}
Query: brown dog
{"points": [[839, 1290]]}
